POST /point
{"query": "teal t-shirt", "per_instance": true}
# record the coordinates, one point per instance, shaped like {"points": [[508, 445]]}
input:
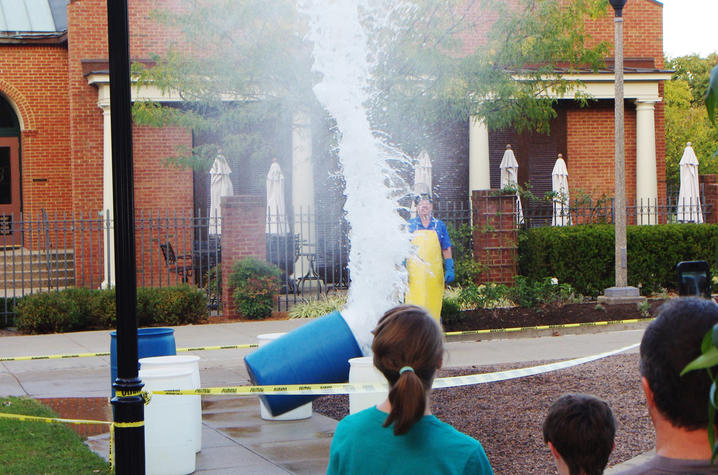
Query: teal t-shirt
{"points": [[361, 445]]}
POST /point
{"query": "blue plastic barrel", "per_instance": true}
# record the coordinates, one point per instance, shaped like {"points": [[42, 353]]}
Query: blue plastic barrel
{"points": [[315, 353], [150, 342]]}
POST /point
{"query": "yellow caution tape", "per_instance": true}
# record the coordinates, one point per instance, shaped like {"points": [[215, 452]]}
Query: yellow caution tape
{"points": [[352, 388], [107, 353], [548, 327], [23, 417], [255, 345], [51, 357], [221, 347]]}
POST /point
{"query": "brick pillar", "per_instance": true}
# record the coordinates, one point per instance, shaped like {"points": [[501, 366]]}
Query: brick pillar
{"points": [[710, 194], [495, 235], [243, 235]]}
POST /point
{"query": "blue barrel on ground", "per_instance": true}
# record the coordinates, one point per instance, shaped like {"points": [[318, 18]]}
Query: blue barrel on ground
{"points": [[315, 353], [150, 342]]}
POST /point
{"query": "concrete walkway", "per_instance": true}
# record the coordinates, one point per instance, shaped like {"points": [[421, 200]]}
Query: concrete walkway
{"points": [[235, 438]]}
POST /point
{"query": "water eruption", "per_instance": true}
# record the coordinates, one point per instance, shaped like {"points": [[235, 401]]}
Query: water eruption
{"points": [[319, 351]]}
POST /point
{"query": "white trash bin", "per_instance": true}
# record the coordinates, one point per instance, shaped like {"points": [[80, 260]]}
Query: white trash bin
{"points": [[302, 412], [169, 434], [190, 362], [362, 370]]}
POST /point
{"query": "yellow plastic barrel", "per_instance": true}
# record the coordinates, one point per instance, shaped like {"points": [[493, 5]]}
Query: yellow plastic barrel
{"points": [[426, 273]]}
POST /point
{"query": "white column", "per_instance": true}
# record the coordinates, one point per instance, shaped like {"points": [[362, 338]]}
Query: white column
{"points": [[303, 187], [108, 236], [479, 178], [646, 179]]}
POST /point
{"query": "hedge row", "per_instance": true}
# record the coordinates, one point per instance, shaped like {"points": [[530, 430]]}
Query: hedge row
{"points": [[583, 256], [84, 309]]}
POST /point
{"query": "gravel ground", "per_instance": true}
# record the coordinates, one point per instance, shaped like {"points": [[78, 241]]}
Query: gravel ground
{"points": [[506, 417]]}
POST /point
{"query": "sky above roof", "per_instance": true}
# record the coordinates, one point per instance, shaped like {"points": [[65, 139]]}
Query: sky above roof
{"points": [[689, 26]]}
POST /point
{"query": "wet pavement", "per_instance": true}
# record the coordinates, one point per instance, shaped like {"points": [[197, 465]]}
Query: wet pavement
{"points": [[235, 438]]}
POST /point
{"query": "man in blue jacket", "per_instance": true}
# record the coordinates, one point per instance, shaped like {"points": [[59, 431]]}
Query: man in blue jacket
{"points": [[425, 221]]}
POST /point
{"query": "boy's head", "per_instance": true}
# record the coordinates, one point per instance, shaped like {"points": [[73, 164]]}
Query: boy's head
{"points": [[580, 429]]}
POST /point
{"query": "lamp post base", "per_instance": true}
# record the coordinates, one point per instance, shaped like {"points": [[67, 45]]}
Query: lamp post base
{"points": [[619, 295]]}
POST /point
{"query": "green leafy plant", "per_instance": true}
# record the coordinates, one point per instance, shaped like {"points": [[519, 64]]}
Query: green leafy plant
{"points": [[489, 295], [534, 293], [707, 360], [451, 309], [254, 284], [313, 308], [466, 269]]}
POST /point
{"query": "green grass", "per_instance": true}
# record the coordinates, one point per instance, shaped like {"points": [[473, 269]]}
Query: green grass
{"points": [[40, 447]]}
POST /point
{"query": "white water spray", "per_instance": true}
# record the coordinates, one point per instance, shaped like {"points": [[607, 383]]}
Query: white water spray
{"points": [[379, 242]]}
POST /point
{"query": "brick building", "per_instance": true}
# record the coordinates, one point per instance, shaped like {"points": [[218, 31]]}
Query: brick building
{"points": [[55, 123]]}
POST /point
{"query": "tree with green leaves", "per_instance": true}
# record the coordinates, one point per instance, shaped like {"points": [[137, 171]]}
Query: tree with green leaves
{"points": [[686, 118], [243, 68]]}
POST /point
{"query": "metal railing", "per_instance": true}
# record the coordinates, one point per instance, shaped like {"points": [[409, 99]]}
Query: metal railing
{"points": [[52, 252], [537, 213]]}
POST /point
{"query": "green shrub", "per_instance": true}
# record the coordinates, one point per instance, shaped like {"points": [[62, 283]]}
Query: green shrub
{"points": [[180, 305], [104, 309], [48, 313], [534, 293], [450, 310], [7, 311], [484, 296], [583, 256], [466, 270], [79, 309], [314, 308], [254, 285]]}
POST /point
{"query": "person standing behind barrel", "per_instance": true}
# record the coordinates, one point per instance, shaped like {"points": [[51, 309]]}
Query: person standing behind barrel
{"points": [[424, 220], [400, 435], [432, 266]]}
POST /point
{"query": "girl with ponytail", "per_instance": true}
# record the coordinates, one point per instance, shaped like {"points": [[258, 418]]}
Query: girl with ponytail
{"points": [[400, 435]]}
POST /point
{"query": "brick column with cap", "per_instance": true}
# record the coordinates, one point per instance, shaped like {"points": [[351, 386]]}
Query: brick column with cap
{"points": [[243, 235], [710, 195], [495, 235]]}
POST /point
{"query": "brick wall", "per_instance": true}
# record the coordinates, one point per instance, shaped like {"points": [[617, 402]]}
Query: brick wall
{"points": [[643, 29], [243, 235], [34, 80], [157, 187], [495, 235], [710, 194]]}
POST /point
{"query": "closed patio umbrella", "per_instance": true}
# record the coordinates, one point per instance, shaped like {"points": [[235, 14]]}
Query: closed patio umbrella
{"points": [[559, 185], [276, 208], [510, 177], [422, 178], [220, 185], [689, 200]]}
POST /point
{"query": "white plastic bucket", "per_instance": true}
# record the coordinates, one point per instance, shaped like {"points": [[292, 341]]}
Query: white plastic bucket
{"points": [[190, 362], [169, 434], [362, 370], [302, 412]]}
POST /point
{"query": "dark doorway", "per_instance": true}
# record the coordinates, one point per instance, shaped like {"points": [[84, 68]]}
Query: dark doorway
{"points": [[10, 201]]}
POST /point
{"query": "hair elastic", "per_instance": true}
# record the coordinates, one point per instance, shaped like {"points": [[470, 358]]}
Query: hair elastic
{"points": [[406, 368]]}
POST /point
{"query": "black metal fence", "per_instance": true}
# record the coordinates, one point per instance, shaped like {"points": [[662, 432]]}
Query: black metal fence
{"points": [[48, 253], [537, 213]]}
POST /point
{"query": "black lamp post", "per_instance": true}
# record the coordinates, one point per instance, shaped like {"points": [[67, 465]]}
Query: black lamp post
{"points": [[127, 406]]}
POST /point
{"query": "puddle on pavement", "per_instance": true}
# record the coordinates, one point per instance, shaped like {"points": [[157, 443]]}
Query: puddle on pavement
{"points": [[90, 408], [227, 403], [240, 431]]}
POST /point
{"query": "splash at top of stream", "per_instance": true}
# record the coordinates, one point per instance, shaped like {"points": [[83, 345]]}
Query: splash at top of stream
{"points": [[379, 240]]}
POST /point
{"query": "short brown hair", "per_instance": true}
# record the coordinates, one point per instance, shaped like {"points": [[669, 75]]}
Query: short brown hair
{"points": [[581, 427]]}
